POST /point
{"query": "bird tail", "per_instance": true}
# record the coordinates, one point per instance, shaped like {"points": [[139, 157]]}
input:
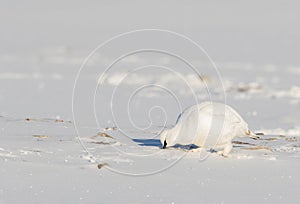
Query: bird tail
{"points": [[252, 135]]}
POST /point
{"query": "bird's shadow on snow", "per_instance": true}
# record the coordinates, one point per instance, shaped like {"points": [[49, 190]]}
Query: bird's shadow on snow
{"points": [[148, 142], [157, 143]]}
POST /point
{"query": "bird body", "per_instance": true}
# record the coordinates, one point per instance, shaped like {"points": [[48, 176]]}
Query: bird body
{"points": [[207, 125]]}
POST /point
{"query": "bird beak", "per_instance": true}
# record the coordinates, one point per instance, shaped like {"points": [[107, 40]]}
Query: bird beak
{"points": [[165, 144]]}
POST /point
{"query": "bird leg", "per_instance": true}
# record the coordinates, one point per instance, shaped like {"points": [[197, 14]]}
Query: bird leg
{"points": [[227, 149]]}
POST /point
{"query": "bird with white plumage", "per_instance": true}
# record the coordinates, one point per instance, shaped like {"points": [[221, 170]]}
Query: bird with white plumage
{"points": [[207, 125]]}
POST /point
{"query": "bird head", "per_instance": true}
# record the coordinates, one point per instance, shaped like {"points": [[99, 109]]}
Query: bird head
{"points": [[167, 138], [163, 138]]}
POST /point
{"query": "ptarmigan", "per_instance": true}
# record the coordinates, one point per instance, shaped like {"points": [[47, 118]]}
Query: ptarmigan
{"points": [[207, 125]]}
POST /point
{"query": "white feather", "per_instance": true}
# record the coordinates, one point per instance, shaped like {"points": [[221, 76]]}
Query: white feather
{"points": [[206, 125]]}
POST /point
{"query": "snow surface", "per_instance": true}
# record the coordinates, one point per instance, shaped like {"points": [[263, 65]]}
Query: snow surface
{"points": [[119, 160]]}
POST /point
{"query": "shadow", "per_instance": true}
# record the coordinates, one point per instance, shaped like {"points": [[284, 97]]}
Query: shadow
{"points": [[148, 142], [185, 147], [156, 143]]}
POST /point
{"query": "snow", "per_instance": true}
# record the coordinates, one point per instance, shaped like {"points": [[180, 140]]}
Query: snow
{"points": [[118, 160]]}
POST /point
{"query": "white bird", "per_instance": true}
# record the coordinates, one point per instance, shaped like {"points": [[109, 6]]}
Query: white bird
{"points": [[207, 125]]}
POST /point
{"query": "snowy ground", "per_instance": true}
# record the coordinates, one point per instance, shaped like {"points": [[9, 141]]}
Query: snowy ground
{"points": [[47, 156]]}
